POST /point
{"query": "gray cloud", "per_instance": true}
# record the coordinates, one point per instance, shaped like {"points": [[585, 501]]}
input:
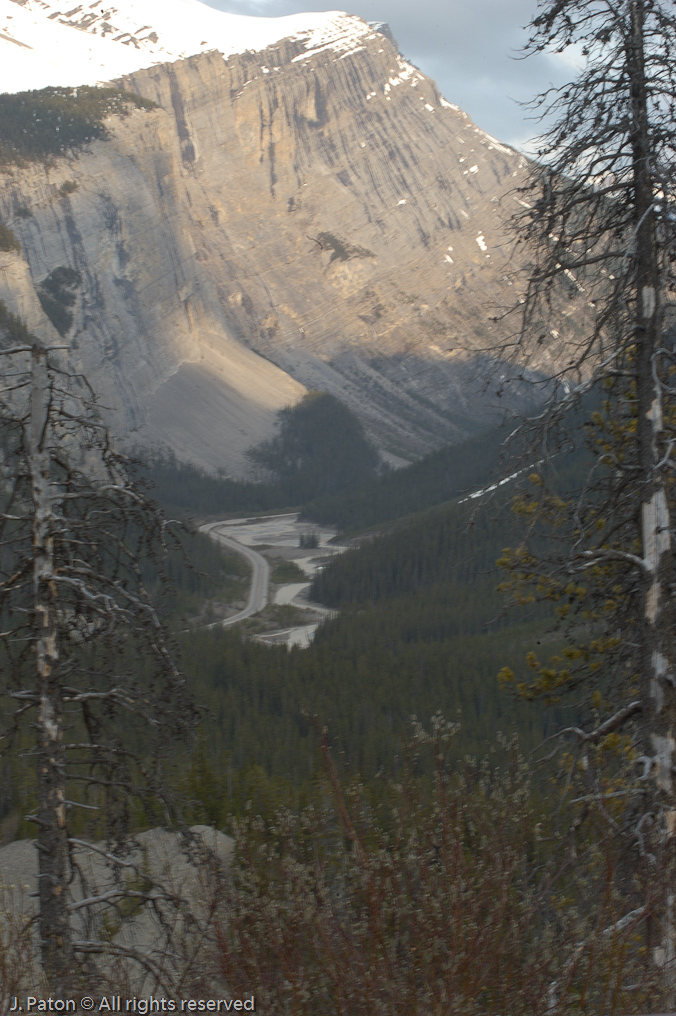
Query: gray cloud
{"points": [[469, 49]]}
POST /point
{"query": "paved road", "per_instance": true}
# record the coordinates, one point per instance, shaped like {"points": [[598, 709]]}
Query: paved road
{"points": [[260, 574]]}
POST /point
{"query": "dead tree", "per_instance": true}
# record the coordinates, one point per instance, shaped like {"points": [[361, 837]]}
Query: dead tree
{"points": [[87, 672]]}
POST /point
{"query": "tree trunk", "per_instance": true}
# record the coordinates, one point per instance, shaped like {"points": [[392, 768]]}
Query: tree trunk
{"points": [[657, 622], [55, 934]]}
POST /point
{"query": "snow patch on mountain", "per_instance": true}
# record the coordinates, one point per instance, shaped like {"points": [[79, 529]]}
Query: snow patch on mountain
{"points": [[342, 33], [45, 42]]}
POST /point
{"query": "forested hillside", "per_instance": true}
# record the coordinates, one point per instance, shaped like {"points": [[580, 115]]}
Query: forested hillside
{"points": [[451, 543], [421, 627], [449, 472], [420, 630]]}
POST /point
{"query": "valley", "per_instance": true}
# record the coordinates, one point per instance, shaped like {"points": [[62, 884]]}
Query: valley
{"points": [[281, 261], [276, 542], [336, 477]]}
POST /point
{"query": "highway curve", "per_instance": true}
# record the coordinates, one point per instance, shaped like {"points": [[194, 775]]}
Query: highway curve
{"points": [[260, 574]]}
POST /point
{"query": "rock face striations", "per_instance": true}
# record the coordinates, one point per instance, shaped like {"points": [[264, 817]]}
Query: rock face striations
{"points": [[310, 215]]}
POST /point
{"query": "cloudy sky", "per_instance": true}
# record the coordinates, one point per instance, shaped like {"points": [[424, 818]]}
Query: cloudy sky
{"points": [[467, 46]]}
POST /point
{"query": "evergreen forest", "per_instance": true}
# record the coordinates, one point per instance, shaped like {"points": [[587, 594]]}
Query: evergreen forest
{"points": [[419, 626], [458, 797]]}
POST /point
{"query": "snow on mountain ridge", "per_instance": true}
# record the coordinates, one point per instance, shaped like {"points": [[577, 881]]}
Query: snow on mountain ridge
{"points": [[44, 43]]}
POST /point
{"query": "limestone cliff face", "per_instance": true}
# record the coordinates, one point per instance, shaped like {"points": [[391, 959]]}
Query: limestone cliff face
{"points": [[284, 220], [148, 328]]}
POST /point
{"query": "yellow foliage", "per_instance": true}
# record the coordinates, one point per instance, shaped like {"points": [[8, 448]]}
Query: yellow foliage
{"points": [[612, 742], [506, 676]]}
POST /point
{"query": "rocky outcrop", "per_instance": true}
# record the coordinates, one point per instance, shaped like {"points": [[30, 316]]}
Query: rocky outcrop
{"points": [[286, 219]]}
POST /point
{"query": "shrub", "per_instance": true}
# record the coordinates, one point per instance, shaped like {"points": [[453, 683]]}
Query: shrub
{"points": [[450, 893], [8, 240], [288, 571]]}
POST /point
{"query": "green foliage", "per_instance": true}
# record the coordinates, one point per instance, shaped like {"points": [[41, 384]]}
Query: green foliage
{"points": [[320, 448], [287, 571], [443, 545], [56, 296], [185, 489], [443, 474], [364, 680], [52, 121], [594, 611], [8, 240], [417, 632], [68, 187], [197, 571]]}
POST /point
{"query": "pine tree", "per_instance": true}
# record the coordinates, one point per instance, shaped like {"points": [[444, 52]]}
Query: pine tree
{"points": [[600, 225]]}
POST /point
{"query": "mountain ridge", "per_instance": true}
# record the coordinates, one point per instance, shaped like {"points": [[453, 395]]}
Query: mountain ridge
{"points": [[92, 43], [286, 219]]}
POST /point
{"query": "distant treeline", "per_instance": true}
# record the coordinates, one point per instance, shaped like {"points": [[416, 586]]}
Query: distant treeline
{"points": [[186, 490], [453, 542], [197, 569], [320, 448], [446, 473], [321, 459]]}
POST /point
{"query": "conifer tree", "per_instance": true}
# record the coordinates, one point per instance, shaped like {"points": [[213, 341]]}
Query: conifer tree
{"points": [[600, 225]]}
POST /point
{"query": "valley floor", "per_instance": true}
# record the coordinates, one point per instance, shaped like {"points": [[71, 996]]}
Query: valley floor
{"points": [[279, 610]]}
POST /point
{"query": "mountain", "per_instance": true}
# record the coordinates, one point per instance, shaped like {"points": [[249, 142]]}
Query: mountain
{"points": [[301, 210], [114, 39]]}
